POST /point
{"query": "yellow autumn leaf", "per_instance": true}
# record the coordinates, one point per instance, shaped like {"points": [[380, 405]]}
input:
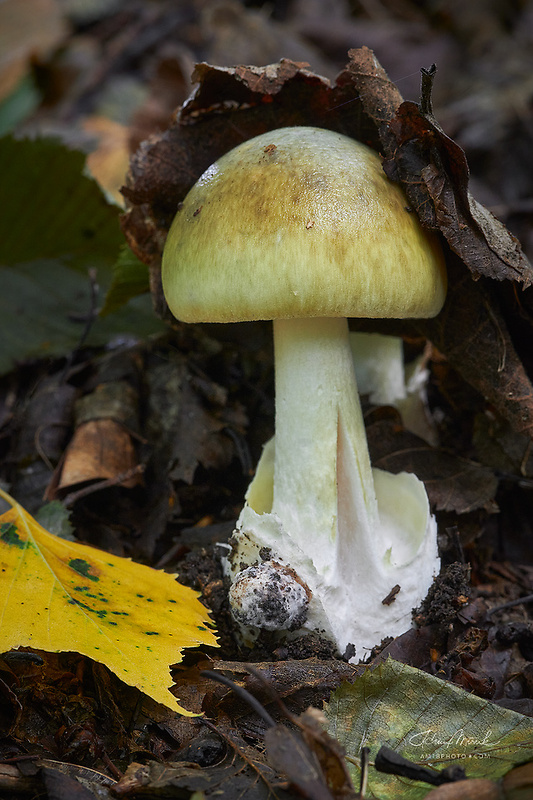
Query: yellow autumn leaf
{"points": [[57, 595]]}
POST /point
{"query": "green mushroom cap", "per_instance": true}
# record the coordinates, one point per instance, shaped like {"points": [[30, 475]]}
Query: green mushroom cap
{"points": [[299, 222]]}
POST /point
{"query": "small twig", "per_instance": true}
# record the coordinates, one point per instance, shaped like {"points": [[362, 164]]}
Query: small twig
{"points": [[241, 448], [73, 497], [499, 335], [89, 319], [511, 604], [21, 757], [38, 445], [453, 533], [136, 713], [391, 597], [525, 459], [365, 760], [241, 752], [114, 770], [242, 693], [426, 88]]}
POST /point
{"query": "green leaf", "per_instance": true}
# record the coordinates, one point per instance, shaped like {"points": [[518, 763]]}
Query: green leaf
{"points": [[56, 519], [426, 720], [44, 306], [130, 279], [50, 209], [22, 101], [55, 225]]}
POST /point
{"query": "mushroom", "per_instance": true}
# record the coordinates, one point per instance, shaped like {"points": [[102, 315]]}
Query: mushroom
{"points": [[381, 374], [301, 226]]}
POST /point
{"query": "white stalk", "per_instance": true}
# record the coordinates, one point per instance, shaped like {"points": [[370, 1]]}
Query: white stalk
{"points": [[379, 367], [315, 506], [382, 375], [319, 428]]}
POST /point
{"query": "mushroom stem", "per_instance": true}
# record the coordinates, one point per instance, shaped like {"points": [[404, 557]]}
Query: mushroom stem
{"points": [[323, 484], [327, 537], [379, 367]]}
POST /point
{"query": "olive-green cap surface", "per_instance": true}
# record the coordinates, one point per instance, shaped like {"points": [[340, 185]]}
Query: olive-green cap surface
{"points": [[299, 222]]}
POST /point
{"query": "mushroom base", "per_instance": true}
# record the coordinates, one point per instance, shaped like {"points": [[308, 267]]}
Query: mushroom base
{"points": [[349, 612], [351, 534]]}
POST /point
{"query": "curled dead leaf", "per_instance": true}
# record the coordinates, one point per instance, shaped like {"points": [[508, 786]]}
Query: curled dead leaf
{"points": [[434, 173], [100, 449]]}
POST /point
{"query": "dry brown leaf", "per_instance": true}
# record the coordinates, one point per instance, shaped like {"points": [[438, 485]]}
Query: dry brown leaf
{"points": [[109, 161], [434, 173], [190, 434], [472, 333], [378, 95], [100, 450]]}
